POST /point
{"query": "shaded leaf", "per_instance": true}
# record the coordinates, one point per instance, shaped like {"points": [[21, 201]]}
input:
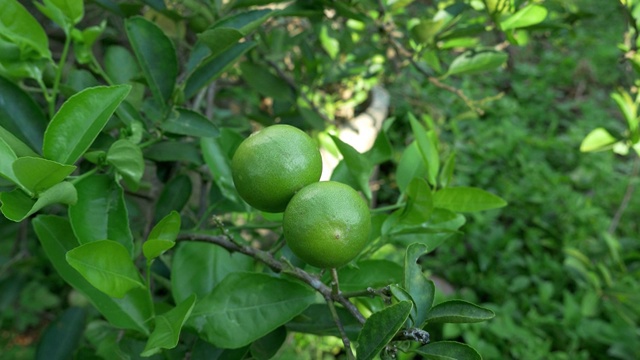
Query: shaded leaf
{"points": [[448, 350], [56, 237], [380, 328], [174, 151], [101, 212], [174, 196], [220, 166], [106, 265], [264, 82], [79, 121], [246, 306], [149, 45], [62, 337], [126, 158], [168, 326], [20, 116], [190, 123], [198, 267], [411, 166], [317, 320], [458, 311]]}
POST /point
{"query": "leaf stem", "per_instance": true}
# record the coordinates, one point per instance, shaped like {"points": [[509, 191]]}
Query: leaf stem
{"points": [[58, 77]]}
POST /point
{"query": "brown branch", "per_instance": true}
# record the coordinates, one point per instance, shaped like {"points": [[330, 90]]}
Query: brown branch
{"points": [[277, 266]]}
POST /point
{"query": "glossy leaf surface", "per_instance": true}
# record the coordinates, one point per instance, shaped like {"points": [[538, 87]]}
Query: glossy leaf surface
{"points": [[168, 327], [380, 328], [466, 199], [458, 311]]}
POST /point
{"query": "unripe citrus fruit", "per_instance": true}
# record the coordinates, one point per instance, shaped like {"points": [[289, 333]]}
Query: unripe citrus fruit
{"points": [[327, 224], [271, 165]]}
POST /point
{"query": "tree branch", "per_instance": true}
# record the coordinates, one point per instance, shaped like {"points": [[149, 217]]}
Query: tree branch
{"points": [[277, 266]]}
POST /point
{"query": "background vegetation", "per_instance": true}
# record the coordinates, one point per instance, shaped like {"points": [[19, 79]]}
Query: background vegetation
{"points": [[559, 265]]}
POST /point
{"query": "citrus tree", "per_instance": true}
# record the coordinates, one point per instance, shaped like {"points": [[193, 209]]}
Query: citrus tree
{"points": [[126, 151]]}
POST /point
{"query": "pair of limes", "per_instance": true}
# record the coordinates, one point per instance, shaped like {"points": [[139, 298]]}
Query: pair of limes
{"points": [[278, 169]]}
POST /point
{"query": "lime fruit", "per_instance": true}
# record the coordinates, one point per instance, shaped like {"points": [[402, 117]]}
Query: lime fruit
{"points": [[271, 165], [327, 224]]}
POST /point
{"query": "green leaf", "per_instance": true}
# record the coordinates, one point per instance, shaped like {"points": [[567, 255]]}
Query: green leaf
{"points": [[247, 306], [106, 265], [62, 337], [220, 166], [428, 149], [369, 273], [56, 238], [17, 206], [20, 116], [79, 121], [213, 66], [475, 61], [126, 158], [466, 199], [629, 109], [380, 328], [174, 151], [174, 196], [410, 166], [245, 22], [168, 326], [220, 39], [120, 65], [421, 289], [190, 123], [317, 320], [357, 164], [598, 139], [17, 24], [38, 174], [458, 311], [531, 14], [156, 56], [446, 175], [264, 82], [267, 346], [198, 267], [72, 9], [419, 203], [101, 212], [163, 236], [7, 157], [448, 350], [19, 148]]}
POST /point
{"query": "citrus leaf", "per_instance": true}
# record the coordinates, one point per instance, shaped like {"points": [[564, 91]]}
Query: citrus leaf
{"points": [[106, 265], [190, 123], [62, 337], [101, 212], [380, 328], [317, 320], [597, 140], [155, 247], [38, 174], [531, 14], [369, 273], [421, 289], [448, 350], [21, 119], [126, 158], [167, 228], [7, 157], [220, 39], [198, 267], [357, 164], [211, 67], [264, 82], [79, 121], [19, 148], [247, 306], [17, 24], [458, 311], [411, 166], [17, 206], [466, 199], [428, 148], [475, 61], [245, 22], [168, 326], [174, 196], [156, 56], [56, 237]]}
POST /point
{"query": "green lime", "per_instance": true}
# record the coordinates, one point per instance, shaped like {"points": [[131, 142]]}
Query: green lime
{"points": [[270, 166], [327, 224]]}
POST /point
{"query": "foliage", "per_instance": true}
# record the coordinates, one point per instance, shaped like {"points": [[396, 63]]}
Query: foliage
{"points": [[115, 153]]}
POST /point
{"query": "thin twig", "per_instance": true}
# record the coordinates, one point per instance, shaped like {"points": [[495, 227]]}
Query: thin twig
{"points": [[343, 334], [627, 197], [384, 293], [277, 266]]}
